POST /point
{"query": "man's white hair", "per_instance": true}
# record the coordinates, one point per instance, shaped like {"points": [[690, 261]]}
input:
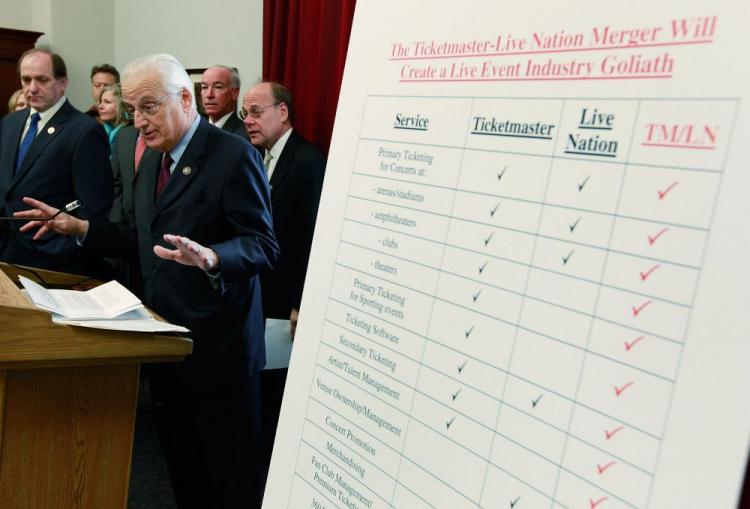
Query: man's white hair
{"points": [[172, 73]]}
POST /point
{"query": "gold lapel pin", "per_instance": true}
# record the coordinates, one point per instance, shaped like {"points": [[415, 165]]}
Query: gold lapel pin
{"points": [[187, 170], [50, 130]]}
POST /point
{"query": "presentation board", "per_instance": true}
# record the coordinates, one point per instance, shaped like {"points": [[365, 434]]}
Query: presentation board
{"points": [[528, 285]]}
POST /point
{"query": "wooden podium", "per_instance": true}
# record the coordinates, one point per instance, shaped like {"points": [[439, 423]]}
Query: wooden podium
{"points": [[67, 403]]}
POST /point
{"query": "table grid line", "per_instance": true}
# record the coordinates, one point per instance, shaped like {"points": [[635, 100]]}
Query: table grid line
{"points": [[516, 230], [409, 416], [501, 288], [531, 154], [325, 310], [510, 260], [695, 294], [511, 198], [596, 300], [429, 320], [512, 375], [479, 423], [501, 320]]}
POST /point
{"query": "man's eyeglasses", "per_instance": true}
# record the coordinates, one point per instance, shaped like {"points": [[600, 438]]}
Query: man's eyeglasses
{"points": [[255, 111], [148, 108]]}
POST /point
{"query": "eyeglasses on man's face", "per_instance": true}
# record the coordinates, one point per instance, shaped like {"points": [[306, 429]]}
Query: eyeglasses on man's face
{"points": [[255, 111], [148, 108]]}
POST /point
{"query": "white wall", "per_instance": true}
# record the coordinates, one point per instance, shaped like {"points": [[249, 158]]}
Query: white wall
{"points": [[87, 32], [199, 33], [82, 31], [19, 14]]}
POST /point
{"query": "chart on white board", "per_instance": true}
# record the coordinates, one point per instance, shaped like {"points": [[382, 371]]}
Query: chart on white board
{"points": [[527, 277]]}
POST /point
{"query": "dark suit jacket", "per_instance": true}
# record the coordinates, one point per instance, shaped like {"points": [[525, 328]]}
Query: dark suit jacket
{"points": [[124, 171], [127, 271], [68, 160], [296, 184], [218, 197], [235, 126]]}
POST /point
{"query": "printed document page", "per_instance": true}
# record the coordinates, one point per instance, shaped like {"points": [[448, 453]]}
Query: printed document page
{"points": [[528, 285], [137, 320], [104, 301]]}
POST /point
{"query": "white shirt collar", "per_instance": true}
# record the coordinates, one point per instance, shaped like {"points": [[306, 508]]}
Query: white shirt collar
{"points": [[179, 149], [276, 150], [223, 120], [44, 116]]}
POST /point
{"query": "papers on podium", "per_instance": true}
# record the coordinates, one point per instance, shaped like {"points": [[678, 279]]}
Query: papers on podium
{"points": [[105, 301], [108, 306], [138, 320]]}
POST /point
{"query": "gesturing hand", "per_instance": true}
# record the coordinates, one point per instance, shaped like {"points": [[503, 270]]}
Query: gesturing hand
{"points": [[63, 223], [188, 252]]}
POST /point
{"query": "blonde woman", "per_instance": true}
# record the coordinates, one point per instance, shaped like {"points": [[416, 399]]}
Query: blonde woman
{"points": [[112, 113], [17, 101]]}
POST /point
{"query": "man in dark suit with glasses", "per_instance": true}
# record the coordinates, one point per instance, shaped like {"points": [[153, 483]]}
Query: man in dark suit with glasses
{"points": [[202, 235], [295, 171]]}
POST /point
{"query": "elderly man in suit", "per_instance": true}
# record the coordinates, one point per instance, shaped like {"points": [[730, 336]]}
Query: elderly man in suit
{"points": [[220, 88], [56, 153], [295, 170], [202, 234]]}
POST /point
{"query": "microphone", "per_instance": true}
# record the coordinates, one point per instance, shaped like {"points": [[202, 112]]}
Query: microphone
{"points": [[67, 208]]}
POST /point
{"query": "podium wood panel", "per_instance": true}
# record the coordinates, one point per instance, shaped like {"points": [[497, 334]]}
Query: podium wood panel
{"points": [[67, 404], [67, 437]]}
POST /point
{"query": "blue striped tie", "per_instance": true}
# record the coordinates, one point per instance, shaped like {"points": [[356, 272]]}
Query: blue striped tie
{"points": [[27, 140]]}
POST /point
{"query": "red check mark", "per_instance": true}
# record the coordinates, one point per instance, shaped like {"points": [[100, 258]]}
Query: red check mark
{"points": [[645, 275], [631, 344], [662, 194], [653, 239], [637, 310], [602, 469], [609, 434], [620, 390], [593, 504]]}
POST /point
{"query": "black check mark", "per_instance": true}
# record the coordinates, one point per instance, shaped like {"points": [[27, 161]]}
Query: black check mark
{"points": [[534, 402], [514, 502], [488, 239], [573, 226], [500, 175], [462, 366], [455, 394], [482, 267], [448, 424], [583, 184], [494, 209], [467, 333], [476, 295], [566, 258]]}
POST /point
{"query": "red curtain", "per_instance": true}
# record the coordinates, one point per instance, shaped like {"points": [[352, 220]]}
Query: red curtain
{"points": [[304, 47]]}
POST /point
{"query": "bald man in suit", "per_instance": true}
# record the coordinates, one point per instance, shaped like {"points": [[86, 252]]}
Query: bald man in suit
{"points": [[295, 168]]}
